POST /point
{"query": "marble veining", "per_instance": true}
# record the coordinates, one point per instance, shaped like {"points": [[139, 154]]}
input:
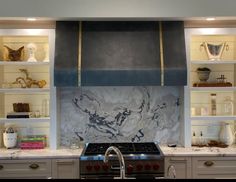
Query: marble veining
{"points": [[121, 114], [40, 153], [199, 151]]}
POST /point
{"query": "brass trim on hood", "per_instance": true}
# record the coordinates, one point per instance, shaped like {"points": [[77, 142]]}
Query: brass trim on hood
{"points": [[79, 53], [161, 53]]}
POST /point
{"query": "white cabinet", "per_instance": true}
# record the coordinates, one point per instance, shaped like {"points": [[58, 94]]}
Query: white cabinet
{"points": [[214, 167], [202, 115], [31, 169], [65, 169], [181, 165], [29, 82], [61, 168], [205, 167]]}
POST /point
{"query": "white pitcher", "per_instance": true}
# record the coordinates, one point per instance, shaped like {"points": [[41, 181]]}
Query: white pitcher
{"points": [[226, 134]]}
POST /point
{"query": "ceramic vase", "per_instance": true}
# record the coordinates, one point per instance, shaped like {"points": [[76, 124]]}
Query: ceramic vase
{"points": [[226, 134], [9, 139]]}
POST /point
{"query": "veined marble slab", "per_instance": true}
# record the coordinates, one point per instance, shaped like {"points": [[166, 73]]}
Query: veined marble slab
{"points": [[198, 151], [39, 153], [120, 114], [75, 153]]}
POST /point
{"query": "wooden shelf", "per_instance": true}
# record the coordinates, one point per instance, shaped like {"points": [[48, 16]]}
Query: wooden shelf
{"points": [[209, 84], [215, 118], [24, 120], [22, 63], [213, 62], [24, 90], [215, 89]]}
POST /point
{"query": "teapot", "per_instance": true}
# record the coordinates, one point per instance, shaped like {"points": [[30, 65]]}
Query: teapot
{"points": [[226, 134]]}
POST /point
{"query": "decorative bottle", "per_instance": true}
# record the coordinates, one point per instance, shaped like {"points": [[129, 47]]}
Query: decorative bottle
{"points": [[194, 139], [201, 140], [213, 104]]}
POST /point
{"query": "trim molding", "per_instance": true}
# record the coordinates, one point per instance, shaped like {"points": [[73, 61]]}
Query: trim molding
{"points": [[161, 53], [79, 53]]}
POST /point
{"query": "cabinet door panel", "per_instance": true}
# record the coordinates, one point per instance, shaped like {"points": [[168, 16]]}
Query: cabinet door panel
{"points": [[65, 168], [182, 166]]}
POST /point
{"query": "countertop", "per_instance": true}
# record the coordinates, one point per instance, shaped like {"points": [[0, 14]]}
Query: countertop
{"points": [[75, 153], [199, 151], [39, 153]]}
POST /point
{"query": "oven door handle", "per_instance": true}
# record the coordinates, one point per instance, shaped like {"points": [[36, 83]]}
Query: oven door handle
{"points": [[160, 177], [115, 168]]}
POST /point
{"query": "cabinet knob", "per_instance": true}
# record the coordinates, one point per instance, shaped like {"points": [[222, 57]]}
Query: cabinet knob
{"points": [[208, 163], [1, 167], [34, 166]]}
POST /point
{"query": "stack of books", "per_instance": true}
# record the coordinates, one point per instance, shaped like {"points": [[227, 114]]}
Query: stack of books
{"points": [[33, 142], [19, 115]]}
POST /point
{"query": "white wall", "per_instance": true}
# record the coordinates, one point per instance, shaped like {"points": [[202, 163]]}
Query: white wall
{"points": [[116, 8]]}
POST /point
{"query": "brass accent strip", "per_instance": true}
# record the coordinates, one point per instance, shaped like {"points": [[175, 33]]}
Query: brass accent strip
{"points": [[161, 53], [79, 53]]}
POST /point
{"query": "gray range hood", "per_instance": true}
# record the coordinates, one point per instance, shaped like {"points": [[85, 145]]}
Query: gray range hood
{"points": [[120, 53]]}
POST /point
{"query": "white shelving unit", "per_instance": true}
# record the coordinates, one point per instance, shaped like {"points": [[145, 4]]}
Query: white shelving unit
{"points": [[24, 90], [40, 70], [213, 62], [213, 89], [24, 120], [199, 97], [22, 63], [213, 118]]}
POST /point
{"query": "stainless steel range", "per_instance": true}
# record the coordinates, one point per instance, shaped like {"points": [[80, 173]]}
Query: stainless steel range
{"points": [[142, 160]]}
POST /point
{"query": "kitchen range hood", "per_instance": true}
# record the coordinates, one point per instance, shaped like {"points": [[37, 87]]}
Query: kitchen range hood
{"points": [[120, 53]]}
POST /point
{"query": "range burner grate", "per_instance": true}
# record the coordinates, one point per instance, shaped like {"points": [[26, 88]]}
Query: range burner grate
{"points": [[125, 148]]}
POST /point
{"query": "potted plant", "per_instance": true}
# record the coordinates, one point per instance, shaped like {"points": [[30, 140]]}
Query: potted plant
{"points": [[203, 73]]}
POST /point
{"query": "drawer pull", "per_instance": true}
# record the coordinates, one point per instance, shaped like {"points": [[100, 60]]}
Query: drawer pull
{"points": [[208, 163], [1, 167], [34, 166]]}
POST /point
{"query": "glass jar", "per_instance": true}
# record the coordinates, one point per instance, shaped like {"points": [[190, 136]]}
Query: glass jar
{"points": [[228, 105], [45, 108]]}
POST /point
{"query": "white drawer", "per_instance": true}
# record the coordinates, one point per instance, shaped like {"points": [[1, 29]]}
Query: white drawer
{"points": [[25, 168]]}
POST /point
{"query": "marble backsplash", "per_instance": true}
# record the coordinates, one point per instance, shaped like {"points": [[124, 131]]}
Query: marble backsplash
{"points": [[121, 114]]}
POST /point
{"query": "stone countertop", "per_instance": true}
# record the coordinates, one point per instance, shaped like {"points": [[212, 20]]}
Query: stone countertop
{"points": [[199, 151], [75, 153], [39, 153]]}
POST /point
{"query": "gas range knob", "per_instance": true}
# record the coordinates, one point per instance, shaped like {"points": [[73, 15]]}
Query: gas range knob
{"points": [[139, 167], [148, 167], [89, 168], [156, 166], [105, 167], [130, 168], [97, 167]]}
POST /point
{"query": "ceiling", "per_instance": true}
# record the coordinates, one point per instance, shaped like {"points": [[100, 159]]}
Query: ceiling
{"points": [[50, 22]]}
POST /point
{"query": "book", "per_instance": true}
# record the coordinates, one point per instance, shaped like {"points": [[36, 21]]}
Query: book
{"points": [[19, 115]]}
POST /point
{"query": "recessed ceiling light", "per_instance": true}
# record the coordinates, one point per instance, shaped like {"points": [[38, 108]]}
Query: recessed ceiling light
{"points": [[31, 19], [210, 19]]}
